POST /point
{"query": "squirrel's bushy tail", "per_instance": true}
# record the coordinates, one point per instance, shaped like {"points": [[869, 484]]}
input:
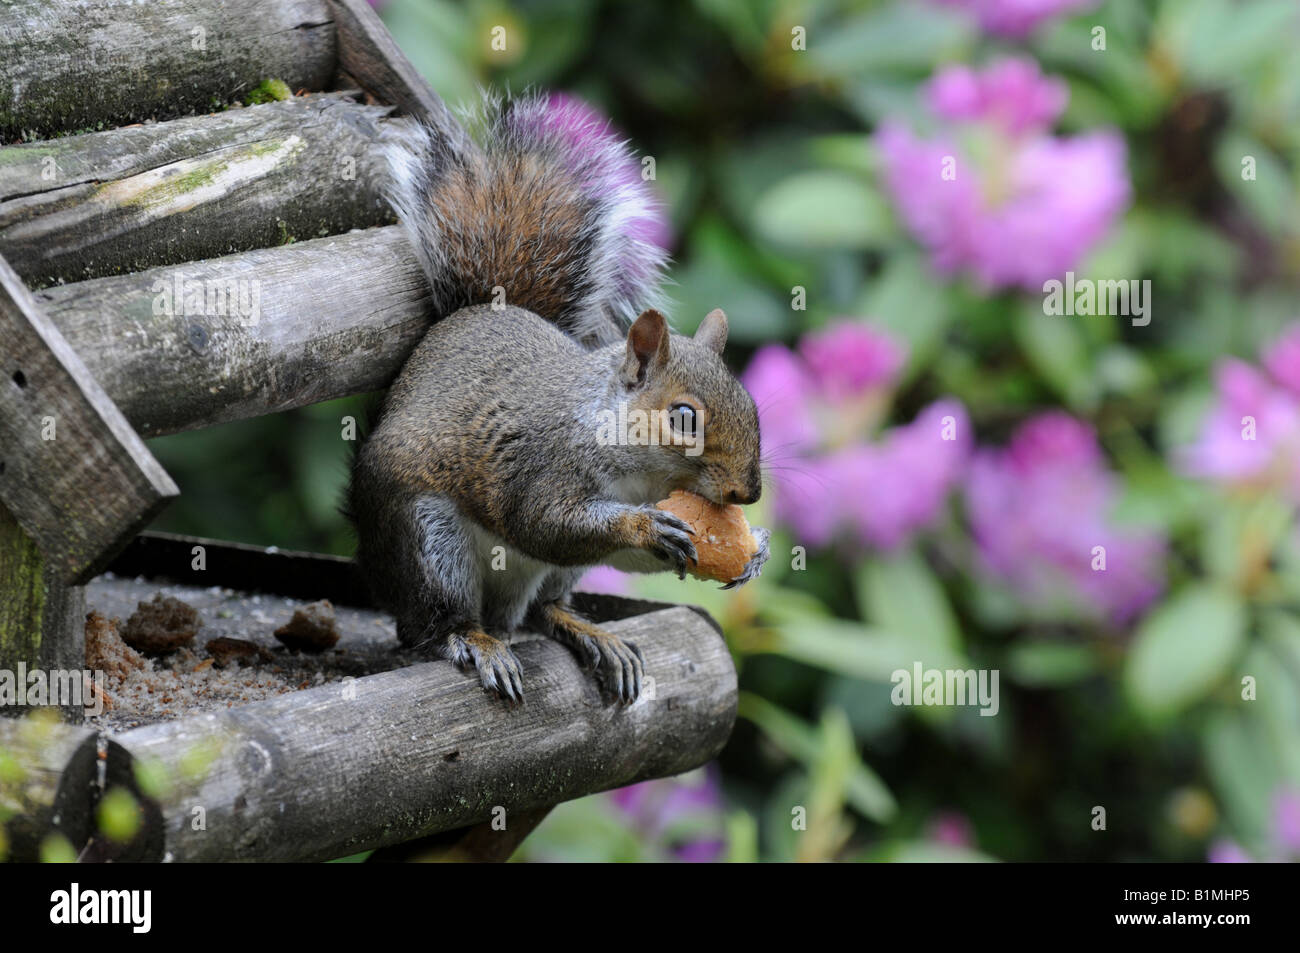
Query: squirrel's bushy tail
{"points": [[535, 202]]}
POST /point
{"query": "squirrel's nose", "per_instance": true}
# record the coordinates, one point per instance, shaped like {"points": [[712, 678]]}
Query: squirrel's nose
{"points": [[752, 490], [744, 497]]}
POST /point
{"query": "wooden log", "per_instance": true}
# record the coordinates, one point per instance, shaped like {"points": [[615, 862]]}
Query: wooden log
{"points": [[338, 316], [331, 771], [129, 199], [71, 64], [40, 617], [370, 58], [73, 473], [485, 843]]}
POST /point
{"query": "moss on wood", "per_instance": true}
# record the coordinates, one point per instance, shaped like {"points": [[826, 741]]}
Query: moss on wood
{"points": [[23, 594]]}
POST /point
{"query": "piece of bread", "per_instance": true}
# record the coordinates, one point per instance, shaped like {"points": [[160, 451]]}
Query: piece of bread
{"points": [[723, 539]]}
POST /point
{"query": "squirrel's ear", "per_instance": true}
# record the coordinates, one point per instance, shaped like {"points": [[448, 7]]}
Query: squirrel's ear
{"points": [[712, 332], [647, 346]]}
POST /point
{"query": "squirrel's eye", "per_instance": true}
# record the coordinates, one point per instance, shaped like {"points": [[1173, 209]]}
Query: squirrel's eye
{"points": [[682, 418]]}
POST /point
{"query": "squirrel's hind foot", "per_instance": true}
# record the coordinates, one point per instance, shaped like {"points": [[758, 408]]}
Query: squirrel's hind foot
{"points": [[499, 670], [619, 665]]}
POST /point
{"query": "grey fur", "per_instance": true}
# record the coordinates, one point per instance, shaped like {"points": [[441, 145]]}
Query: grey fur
{"points": [[486, 447]]}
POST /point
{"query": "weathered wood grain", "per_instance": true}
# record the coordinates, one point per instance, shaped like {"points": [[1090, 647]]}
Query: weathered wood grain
{"points": [[369, 57], [73, 473], [40, 617], [317, 774], [129, 199], [337, 316], [71, 64], [480, 844]]}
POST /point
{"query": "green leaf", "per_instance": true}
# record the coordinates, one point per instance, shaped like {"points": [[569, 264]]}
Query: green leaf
{"points": [[1182, 649], [1269, 195], [722, 273], [1215, 41], [823, 210], [911, 305], [1238, 531], [1272, 663], [1243, 773], [790, 606], [1047, 665], [848, 648], [892, 36], [438, 38], [742, 837], [901, 595], [927, 852], [864, 789], [1055, 348]]}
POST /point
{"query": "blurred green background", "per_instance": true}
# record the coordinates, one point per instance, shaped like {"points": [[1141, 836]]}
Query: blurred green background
{"points": [[766, 161]]}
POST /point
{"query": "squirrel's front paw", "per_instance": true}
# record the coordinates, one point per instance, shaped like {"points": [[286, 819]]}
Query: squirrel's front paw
{"points": [[669, 538], [499, 670], [755, 564]]}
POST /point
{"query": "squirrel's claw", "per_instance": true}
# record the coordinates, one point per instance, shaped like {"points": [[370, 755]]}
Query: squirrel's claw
{"points": [[498, 668], [619, 664], [754, 567], [671, 540]]}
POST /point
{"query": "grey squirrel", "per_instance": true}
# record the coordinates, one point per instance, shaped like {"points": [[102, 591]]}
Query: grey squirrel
{"points": [[486, 444]]}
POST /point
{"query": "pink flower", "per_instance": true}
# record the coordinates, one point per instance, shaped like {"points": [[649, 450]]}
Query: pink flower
{"points": [[784, 391], [895, 487], [817, 411], [1040, 507], [605, 580], [1012, 94], [1286, 820], [1282, 841], [1283, 360], [1227, 852], [849, 359], [1016, 18], [1054, 439], [994, 194], [1251, 437], [952, 829], [681, 814]]}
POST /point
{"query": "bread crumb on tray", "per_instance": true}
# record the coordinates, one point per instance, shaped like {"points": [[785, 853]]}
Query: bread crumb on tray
{"points": [[216, 648]]}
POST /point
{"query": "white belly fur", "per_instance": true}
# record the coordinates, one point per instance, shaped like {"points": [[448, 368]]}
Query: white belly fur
{"points": [[510, 579]]}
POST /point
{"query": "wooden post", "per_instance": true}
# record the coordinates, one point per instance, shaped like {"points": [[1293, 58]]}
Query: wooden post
{"points": [[369, 57], [41, 618], [70, 64], [484, 843], [331, 771], [339, 316], [75, 480], [128, 199]]}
